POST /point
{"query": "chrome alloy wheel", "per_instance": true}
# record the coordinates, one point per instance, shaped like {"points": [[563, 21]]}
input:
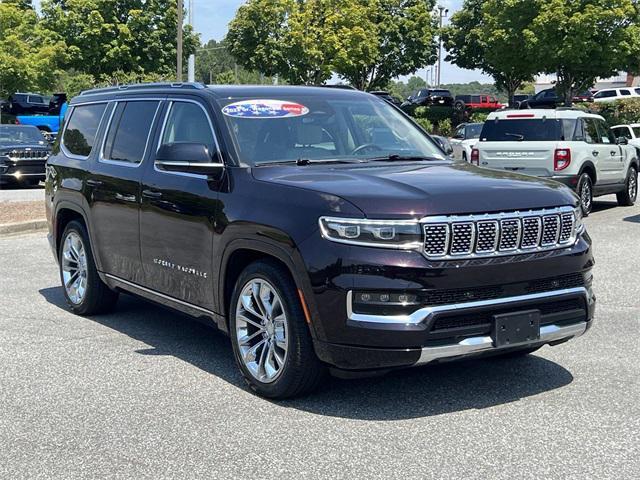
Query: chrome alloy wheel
{"points": [[74, 268], [585, 195], [261, 330], [632, 186]]}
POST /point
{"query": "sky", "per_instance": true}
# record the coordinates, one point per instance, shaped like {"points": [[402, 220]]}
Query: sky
{"points": [[213, 16]]}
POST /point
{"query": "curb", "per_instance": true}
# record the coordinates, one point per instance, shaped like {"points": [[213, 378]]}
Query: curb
{"points": [[21, 227]]}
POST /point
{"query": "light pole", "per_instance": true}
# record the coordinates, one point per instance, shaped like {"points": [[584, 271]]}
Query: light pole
{"points": [[179, 44], [191, 66], [442, 13]]}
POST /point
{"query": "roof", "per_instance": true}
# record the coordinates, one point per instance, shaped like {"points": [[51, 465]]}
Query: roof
{"points": [[559, 113]]}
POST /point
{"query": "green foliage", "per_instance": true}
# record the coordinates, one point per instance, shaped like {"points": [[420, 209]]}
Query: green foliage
{"points": [[425, 123], [581, 40], [366, 42], [495, 36], [478, 117], [72, 82], [29, 55], [105, 37], [618, 112], [445, 128]]}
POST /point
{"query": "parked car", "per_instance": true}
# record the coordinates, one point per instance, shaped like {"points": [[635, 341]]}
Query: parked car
{"points": [[631, 132], [570, 146], [388, 97], [27, 104], [463, 140], [428, 97], [444, 144], [473, 102], [320, 228], [23, 153], [49, 124], [549, 98], [613, 94]]}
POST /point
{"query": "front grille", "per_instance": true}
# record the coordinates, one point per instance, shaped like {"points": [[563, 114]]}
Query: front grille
{"points": [[28, 155], [474, 236]]}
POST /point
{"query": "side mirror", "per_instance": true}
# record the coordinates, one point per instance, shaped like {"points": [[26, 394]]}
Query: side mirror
{"points": [[622, 141], [187, 157]]}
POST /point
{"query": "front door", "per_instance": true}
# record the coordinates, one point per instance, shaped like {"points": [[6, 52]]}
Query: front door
{"points": [[114, 186], [177, 216], [613, 159]]}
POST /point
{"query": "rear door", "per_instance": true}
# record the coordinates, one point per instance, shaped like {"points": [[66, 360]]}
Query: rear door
{"points": [[114, 185], [523, 145]]}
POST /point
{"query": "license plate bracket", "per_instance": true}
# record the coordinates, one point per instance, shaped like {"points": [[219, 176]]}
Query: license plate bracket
{"points": [[511, 329]]}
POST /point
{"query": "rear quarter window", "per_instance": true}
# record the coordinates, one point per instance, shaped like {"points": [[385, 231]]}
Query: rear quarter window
{"points": [[80, 133]]}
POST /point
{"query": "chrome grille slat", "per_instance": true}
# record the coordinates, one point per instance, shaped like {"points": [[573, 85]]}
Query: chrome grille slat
{"points": [[508, 233], [16, 155]]}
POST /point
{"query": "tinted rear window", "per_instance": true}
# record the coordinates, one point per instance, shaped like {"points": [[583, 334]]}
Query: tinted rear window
{"points": [[129, 130], [80, 134], [530, 129], [441, 93]]}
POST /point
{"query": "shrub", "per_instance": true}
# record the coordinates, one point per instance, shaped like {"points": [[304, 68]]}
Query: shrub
{"points": [[425, 123], [445, 128]]}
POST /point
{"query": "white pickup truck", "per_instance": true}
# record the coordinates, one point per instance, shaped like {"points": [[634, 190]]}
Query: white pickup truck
{"points": [[566, 145]]}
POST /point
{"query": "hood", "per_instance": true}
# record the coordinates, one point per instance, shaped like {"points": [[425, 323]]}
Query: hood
{"points": [[391, 190]]}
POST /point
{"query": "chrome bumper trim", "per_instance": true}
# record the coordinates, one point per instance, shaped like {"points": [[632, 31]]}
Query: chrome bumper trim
{"points": [[424, 314], [468, 346]]}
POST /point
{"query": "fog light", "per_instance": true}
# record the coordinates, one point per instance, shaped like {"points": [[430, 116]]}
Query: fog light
{"points": [[385, 298]]}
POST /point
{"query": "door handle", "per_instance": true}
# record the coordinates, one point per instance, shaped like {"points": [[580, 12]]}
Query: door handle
{"points": [[151, 194], [595, 153], [613, 154], [125, 198], [94, 183]]}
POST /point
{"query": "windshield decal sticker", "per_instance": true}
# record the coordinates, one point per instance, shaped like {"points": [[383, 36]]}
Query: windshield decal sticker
{"points": [[265, 109]]}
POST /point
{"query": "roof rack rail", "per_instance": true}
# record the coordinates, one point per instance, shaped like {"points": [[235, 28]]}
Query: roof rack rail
{"points": [[571, 108], [144, 86]]}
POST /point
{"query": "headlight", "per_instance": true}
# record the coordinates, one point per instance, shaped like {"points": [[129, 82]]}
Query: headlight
{"points": [[402, 234], [577, 213]]}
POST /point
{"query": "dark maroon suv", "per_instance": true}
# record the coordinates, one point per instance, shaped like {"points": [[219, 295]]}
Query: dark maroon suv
{"points": [[321, 229]]}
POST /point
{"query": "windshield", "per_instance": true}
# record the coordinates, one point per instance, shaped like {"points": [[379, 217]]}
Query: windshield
{"points": [[473, 131], [15, 134], [321, 128], [531, 130]]}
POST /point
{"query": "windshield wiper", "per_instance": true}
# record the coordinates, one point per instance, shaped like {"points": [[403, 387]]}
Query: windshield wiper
{"points": [[306, 161], [394, 157], [519, 136]]}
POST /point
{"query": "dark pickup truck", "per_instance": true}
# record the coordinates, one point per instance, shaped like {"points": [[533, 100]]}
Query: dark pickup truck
{"points": [[321, 229]]}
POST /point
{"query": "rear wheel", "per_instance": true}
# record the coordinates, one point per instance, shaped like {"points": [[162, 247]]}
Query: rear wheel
{"points": [[84, 291], [271, 341], [585, 192], [459, 106], [628, 196], [464, 157]]}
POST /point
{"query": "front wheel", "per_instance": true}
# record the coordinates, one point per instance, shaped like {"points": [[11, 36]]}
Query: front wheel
{"points": [[585, 192], [628, 196], [83, 289], [271, 341]]}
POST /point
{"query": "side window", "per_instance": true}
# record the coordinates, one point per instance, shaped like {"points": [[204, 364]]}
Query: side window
{"points": [[80, 134], [35, 99], [625, 92], [129, 130], [188, 123], [591, 131], [606, 135], [550, 94], [622, 132], [459, 133]]}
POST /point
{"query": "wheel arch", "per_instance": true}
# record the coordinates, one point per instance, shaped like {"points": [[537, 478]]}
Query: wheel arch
{"points": [[240, 253], [590, 169]]}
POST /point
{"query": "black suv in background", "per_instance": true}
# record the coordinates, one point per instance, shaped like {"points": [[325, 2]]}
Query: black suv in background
{"points": [[27, 104], [320, 228], [428, 97], [23, 153]]}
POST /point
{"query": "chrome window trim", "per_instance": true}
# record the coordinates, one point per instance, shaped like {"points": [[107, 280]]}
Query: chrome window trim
{"points": [[63, 147], [424, 314], [101, 158], [164, 126]]}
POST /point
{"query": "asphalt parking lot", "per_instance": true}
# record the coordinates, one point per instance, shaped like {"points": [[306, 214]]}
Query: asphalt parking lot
{"points": [[10, 193], [148, 393]]}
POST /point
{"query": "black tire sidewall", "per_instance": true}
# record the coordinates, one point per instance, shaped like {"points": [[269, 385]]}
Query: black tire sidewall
{"points": [[298, 336], [584, 178]]}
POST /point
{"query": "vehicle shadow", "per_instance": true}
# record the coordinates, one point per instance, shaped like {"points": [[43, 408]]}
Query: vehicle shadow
{"points": [[632, 219], [603, 205], [403, 394]]}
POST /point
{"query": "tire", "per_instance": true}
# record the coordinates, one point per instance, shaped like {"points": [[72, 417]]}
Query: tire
{"points": [[464, 157], [459, 106], [585, 192], [628, 196], [87, 294], [274, 352]]}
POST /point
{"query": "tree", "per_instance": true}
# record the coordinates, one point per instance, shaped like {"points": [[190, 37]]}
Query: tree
{"points": [[108, 36], [495, 36], [396, 37], [581, 40], [30, 56]]}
